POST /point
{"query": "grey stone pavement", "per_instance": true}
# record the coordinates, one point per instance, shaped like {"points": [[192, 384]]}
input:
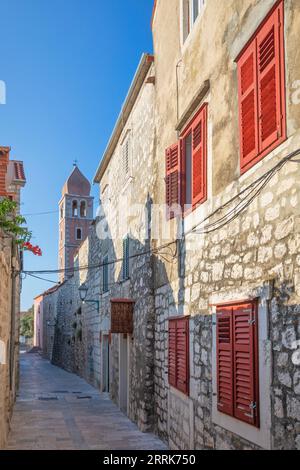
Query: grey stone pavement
{"points": [[56, 410]]}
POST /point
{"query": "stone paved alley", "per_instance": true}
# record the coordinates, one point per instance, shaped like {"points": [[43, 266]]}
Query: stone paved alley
{"points": [[56, 410]]}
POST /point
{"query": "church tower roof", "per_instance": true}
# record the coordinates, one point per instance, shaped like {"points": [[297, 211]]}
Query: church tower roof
{"points": [[77, 184]]}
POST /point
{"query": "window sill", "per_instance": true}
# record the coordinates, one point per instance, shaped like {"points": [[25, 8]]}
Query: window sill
{"points": [[263, 154], [178, 393]]}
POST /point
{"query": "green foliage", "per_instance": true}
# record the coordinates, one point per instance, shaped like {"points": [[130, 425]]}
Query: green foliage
{"points": [[26, 324], [11, 223]]}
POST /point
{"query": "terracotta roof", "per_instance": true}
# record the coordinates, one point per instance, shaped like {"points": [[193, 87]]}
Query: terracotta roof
{"points": [[49, 291], [77, 184]]}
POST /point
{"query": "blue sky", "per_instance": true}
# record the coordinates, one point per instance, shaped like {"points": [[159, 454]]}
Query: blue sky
{"points": [[67, 66]]}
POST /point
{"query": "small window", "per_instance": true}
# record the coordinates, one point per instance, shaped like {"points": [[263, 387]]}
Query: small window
{"points": [[126, 159], [83, 209], [178, 357], [125, 267], [62, 211], [74, 209], [190, 12], [78, 234], [105, 274]]}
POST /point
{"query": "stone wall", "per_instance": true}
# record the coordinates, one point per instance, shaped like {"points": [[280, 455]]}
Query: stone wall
{"points": [[9, 335], [66, 336], [263, 244]]}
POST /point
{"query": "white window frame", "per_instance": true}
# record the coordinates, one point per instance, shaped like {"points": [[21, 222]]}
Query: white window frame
{"points": [[260, 436], [187, 17]]}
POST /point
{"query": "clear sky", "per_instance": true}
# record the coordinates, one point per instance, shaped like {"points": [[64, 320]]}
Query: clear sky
{"points": [[67, 65]]}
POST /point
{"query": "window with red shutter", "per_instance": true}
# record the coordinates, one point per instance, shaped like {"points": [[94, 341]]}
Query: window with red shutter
{"points": [[179, 354], [199, 157], [262, 90], [248, 105], [172, 353], [270, 91], [172, 180], [237, 362], [186, 167], [194, 140], [224, 361]]}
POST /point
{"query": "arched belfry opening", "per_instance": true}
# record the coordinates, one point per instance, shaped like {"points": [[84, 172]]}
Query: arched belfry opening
{"points": [[75, 218]]}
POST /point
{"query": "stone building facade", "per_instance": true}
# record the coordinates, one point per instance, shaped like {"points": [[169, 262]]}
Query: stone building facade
{"points": [[235, 249], [252, 256], [12, 179]]}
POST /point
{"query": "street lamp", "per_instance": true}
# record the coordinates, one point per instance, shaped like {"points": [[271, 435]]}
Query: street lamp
{"points": [[83, 290]]}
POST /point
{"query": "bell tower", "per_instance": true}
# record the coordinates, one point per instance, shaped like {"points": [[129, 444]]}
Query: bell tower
{"points": [[75, 217]]}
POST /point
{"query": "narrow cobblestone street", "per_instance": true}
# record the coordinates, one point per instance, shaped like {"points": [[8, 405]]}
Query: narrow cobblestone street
{"points": [[56, 410]]}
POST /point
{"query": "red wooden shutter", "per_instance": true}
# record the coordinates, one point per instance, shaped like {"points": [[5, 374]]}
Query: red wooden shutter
{"points": [[182, 356], [225, 360], [245, 363], [199, 150], [172, 179], [248, 113], [172, 353], [270, 63]]}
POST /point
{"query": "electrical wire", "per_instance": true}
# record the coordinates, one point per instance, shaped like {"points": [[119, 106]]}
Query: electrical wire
{"points": [[99, 265], [254, 189], [41, 278], [40, 213], [264, 179]]}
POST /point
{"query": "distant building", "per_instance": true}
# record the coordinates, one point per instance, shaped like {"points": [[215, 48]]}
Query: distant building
{"points": [[75, 217]]}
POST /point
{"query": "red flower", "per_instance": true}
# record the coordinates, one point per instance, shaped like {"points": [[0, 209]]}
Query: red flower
{"points": [[34, 249]]}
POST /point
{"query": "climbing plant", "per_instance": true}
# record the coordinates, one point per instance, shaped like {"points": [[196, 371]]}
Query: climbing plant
{"points": [[12, 223]]}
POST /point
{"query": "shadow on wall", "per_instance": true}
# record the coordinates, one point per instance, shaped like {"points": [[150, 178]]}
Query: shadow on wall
{"points": [[77, 338]]}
